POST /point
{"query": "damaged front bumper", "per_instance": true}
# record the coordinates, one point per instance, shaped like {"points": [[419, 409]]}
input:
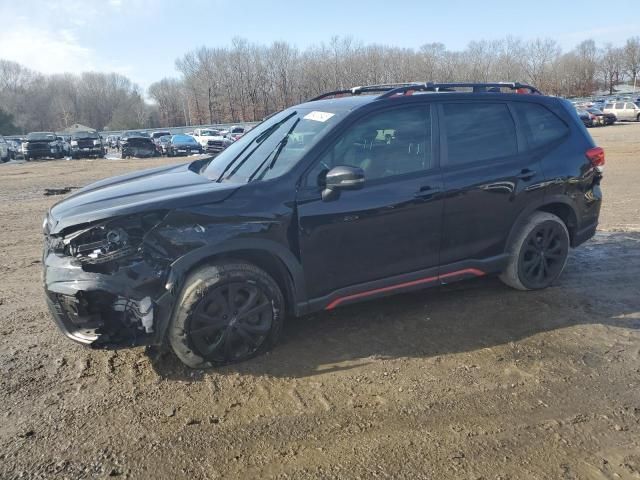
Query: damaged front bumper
{"points": [[125, 308]]}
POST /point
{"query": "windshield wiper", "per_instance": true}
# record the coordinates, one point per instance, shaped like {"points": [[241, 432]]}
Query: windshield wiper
{"points": [[281, 144], [261, 138]]}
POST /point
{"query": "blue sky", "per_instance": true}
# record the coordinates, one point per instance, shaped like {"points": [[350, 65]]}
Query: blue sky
{"points": [[142, 38]]}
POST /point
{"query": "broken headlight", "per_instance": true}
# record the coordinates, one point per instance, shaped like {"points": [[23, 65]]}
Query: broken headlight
{"points": [[112, 240]]}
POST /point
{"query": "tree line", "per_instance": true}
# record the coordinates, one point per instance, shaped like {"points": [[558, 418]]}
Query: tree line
{"points": [[31, 101], [247, 81]]}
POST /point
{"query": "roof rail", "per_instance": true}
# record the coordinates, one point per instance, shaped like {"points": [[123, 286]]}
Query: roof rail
{"points": [[393, 89], [382, 87], [477, 87]]}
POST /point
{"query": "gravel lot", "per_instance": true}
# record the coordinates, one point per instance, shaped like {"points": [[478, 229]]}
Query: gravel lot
{"points": [[472, 381]]}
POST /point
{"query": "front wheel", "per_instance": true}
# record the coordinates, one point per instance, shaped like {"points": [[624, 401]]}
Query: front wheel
{"points": [[538, 253], [226, 313]]}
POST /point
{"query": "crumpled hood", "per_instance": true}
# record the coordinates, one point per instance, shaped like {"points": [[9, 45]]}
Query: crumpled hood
{"points": [[162, 188]]}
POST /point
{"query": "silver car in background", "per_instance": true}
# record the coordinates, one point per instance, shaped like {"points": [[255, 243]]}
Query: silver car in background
{"points": [[623, 110]]}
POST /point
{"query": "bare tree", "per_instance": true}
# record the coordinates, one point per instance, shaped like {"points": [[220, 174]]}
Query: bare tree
{"points": [[631, 58]]}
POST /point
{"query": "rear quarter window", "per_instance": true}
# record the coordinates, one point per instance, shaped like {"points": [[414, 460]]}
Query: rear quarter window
{"points": [[540, 125]]}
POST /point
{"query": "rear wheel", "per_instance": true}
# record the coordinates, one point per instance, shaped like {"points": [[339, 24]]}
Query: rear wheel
{"points": [[538, 254], [226, 313]]}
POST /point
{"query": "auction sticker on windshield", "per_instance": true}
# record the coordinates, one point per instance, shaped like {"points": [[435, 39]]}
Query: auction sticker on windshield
{"points": [[318, 116]]}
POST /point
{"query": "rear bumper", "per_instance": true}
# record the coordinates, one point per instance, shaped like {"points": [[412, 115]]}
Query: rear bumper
{"points": [[138, 151], [187, 151]]}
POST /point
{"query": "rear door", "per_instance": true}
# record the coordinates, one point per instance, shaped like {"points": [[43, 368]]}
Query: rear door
{"points": [[389, 227], [489, 175], [619, 110]]}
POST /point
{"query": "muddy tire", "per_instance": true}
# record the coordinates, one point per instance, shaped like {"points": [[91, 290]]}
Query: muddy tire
{"points": [[538, 253], [226, 313]]}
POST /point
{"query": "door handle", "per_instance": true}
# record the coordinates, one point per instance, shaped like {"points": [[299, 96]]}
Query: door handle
{"points": [[526, 174], [426, 192]]}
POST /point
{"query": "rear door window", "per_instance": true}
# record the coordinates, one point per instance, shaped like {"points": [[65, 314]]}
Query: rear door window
{"points": [[478, 132], [619, 106], [540, 126]]}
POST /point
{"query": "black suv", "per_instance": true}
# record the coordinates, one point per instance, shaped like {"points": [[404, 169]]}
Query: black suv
{"points": [[87, 144], [42, 145], [353, 195]]}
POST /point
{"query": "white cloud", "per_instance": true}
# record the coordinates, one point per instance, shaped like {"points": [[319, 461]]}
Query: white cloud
{"points": [[49, 39], [45, 51]]}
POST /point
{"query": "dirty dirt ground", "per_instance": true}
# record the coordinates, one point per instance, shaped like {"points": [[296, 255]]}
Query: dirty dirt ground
{"points": [[471, 381]]}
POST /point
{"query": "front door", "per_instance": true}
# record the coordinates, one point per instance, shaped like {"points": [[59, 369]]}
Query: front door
{"points": [[389, 227]]}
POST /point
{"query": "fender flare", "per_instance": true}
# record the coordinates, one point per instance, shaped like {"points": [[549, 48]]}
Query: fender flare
{"points": [[529, 209], [179, 267]]}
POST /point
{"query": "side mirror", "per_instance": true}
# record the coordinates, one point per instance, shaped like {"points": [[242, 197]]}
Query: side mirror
{"points": [[342, 178]]}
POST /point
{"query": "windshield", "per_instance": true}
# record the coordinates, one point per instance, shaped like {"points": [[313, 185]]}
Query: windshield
{"points": [[84, 135], [35, 136], [271, 148], [135, 133], [159, 134], [183, 139]]}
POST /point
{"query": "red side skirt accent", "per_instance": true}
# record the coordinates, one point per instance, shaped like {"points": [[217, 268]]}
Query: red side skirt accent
{"points": [[368, 293]]}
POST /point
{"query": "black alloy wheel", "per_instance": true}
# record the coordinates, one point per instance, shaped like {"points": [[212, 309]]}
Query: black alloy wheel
{"points": [[543, 255], [230, 323]]}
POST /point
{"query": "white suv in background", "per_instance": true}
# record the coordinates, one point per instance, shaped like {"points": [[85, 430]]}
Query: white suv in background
{"points": [[625, 110]]}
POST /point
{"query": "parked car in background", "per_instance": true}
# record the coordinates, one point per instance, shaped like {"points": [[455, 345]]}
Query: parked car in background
{"points": [[137, 144], [180, 145], [588, 119], [626, 110], [325, 204], [112, 141], [41, 145], [87, 144], [5, 152], [65, 144], [156, 135], [162, 143], [603, 118], [236, 132], [15, 147], [212, 141]]}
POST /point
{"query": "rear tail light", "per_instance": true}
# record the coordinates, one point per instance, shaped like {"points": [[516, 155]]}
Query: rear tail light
{"points": [[596, 157]]}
